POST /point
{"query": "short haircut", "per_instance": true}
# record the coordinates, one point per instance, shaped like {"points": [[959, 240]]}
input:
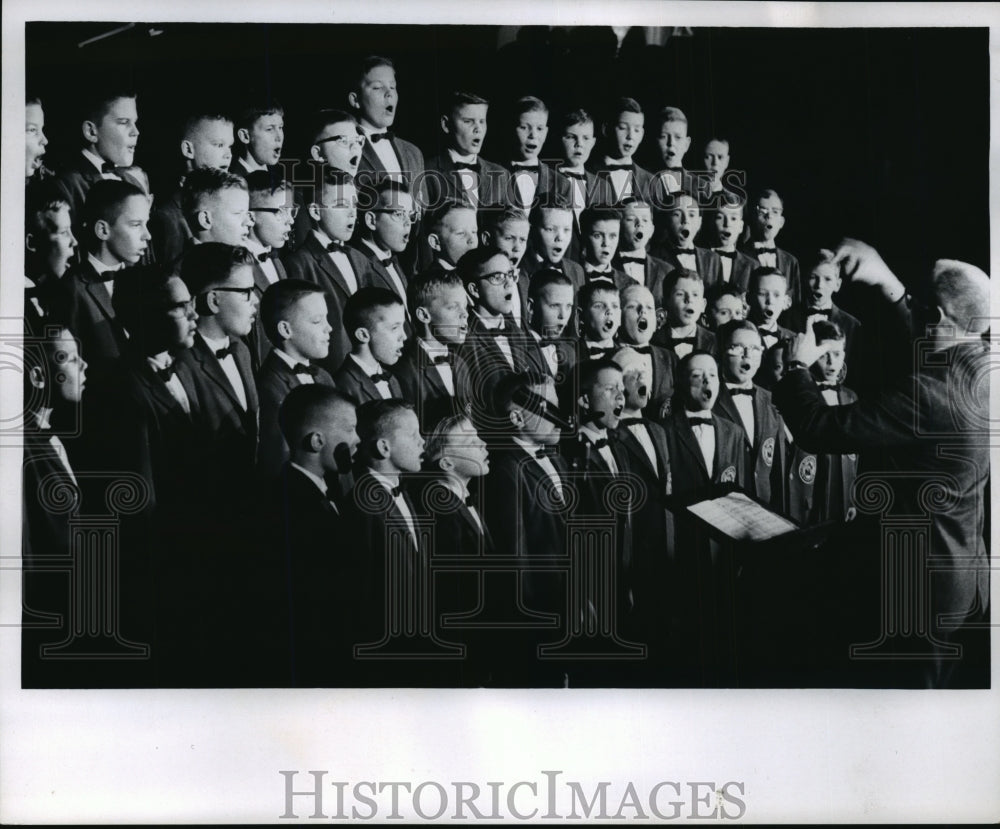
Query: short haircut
{"points": [[96, 102], [251, 113], [586, 294], [728, 200], [366, 64], [194, 122], [672, 277], [106, 200], [305, 406], [718, 140], [472, 260], [266, 183], [589, 370], [592, 215], [203, 183], [537, 215], [514, 385], [427, 285], [460, 99], [437, 441], [320, 120], [210, 264], [668, 114], [492, 219], [721, 289], [757, 274], [828, 330], [30, 99], [278, 299], [363, 306], [574, 117], [140, 297], [768, 193], [385, 192], [39, 204], [684, 365], [632, 201], [529, 103], [622, 105], [377, 418], [544, 279], [963, 292], [435, 219], [724, 336]]}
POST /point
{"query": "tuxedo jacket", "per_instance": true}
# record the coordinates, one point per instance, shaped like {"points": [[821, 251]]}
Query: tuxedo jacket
{"points": [[375, 274], [83, 302], [739, 274], [786, 263], [443, 182], [169, 229], [274, 380], [655, 270], [641, 178], [74, 181], [708, 264], [598, 189], [420, 383], [232, 431], [689, 476], [767, 457], [351, 379], [617, 277], [567, 350], [819, 485], [704, 339], [371, 170], [525, 523], [312, 263], [257, 340], [550, 186]]}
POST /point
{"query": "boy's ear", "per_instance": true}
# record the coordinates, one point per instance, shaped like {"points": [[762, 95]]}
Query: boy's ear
{"points": [[204, 219], [243, 134], [788, 302], [29, 242], [445, 464], [516, 418], [315, 441], [446, 124], [352, 100], [473, 290], [531, 307], [370, 220], [284, 329], [422, 314], [314, 153], [383, 448], [187, 149], [89, 129], [37, 377], [584, 401], [362, 335], [102, 230], [434, 242], [313, 211], [204, 306], [485, 238]]}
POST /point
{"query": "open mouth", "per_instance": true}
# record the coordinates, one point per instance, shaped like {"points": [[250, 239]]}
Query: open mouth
{"points": [[706, 394], [628, 148], [684, 234], [557, 254], [608, 325], [745, 367], [508, 297], [354, 160], [642, 392], [687, 312], [531, 148], [406, 240], [769, 313], [642, 324], [350, 228], [617, 411], [639, 235], [390, 108]]}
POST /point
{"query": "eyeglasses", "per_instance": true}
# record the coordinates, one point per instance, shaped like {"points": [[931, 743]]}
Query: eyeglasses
{"points": [[500, 277], [291, 212], [246, 292], [185, 307], [344, 140], [398, 215], [744, 350]]}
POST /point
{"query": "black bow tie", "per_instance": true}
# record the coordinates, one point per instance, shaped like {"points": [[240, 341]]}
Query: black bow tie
{"points": [[834, 386], [337, 245], [631, 421], [500, 331], [729, 254], [108, 167], [627, 257], [467, 165], [597, 351], [302, 368], [700, 420], [737, 391], [674, 169], [166, 373], [395, 492], [642, 349], [105, 276], [380, 377], [380, 136], [600, 276], [600, 443], [682, 340], [263, 256], [222, 353], [546, 452], [386, 263], [823, 311], [442, 359], [685, 251], [759, 249], [768, 334], [574, 174], [521, 166], [617, 166]]}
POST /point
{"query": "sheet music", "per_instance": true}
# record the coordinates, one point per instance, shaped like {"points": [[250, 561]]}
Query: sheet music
{"points": [[741, 518]]}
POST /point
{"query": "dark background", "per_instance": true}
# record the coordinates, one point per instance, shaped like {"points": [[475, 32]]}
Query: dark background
{"points": [[878, 133]]}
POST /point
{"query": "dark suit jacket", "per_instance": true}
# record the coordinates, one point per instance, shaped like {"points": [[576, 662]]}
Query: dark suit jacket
{"points": [[351, 379], [739, 274], [689, 476], [642, 182], [550, 186], [312, 263], [767, 458], [916, 435], [420, 383], [82, 300], [74, 181], [618, 277], [709, 266], [375, 274], [371, 170], [787, 264], [274, 381], [443, 182], [656, 271], [567, 364], [257, 340], [169, 229], [232, 431]]}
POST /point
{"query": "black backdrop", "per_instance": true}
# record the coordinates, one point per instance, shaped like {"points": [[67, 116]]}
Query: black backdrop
{"points": [[878, 133]]}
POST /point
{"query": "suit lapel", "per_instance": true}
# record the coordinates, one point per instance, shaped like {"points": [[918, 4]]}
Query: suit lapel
{"points": [[370, 157], [326, 265], [687, 439], [99, 294], [211, 368]]}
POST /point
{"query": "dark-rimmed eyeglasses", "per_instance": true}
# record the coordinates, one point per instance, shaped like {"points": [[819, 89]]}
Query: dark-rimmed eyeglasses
{"points": [[291, 212], [246, 292], [500, 277]]}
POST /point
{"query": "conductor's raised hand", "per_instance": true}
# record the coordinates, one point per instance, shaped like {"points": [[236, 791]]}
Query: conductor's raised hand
{"points": [[861, 263]]}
